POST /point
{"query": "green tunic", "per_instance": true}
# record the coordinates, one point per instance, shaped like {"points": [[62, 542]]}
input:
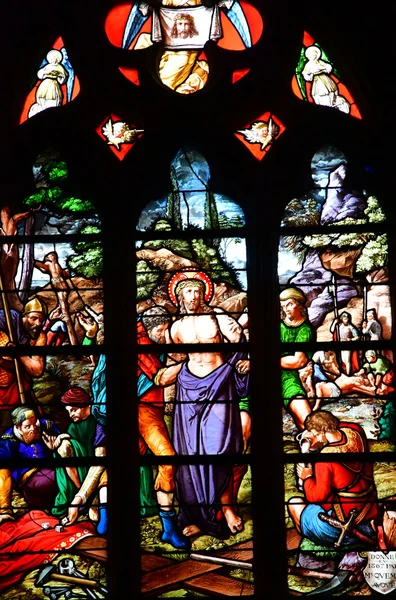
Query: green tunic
{"points": [[290, 379], [82, 437], [380, 367]]}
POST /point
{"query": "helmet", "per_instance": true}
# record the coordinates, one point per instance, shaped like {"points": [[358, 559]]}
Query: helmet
{"points": [[35, 305]]}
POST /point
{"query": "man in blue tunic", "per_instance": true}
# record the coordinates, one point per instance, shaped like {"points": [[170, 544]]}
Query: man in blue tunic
{"points": [[29, 437]]}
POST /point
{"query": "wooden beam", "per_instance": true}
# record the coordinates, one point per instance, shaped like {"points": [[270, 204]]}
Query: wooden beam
{"points": [[214, 583], [93, 546], [151, 562], [167, 577]]}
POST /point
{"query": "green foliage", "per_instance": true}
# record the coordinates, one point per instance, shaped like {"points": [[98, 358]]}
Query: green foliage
{"points": [[173, 211], [209, 261], [91, 230], [179, 247], [300, 79], [50, 191], [374, 211], [88, 258], [302, 213], [210, 211], [204, 253], [57, 171], [374, 255], [147, 280], [235, 221], [89, 264], [387, 422], [337, 240], [225, 222]]}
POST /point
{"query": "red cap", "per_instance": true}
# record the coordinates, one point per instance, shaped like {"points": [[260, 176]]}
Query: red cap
{"points": [[76, 396]]}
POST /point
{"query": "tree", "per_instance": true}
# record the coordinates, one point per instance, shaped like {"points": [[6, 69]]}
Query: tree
{"points": [[211, 215], [88, 258], [225, 222], [51, 174], [387, 422], [173, 211], [210, 261], [374, 246], [147, 280]]}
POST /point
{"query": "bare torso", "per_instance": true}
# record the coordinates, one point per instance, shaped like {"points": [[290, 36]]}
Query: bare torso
{"points": [[208, 328], [8, 224]]}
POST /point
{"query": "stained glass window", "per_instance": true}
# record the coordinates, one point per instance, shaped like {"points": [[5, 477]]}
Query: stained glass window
{"points": [[53, 478], [173, 199], [337, 382], [194, 403]]}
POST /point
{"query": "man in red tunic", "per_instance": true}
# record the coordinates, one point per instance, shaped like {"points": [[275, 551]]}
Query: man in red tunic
{"points": [[334, 488], [153, 434]]}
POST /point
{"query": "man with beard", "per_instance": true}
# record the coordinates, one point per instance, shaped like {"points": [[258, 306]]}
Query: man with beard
{"points": [[27, 331], [153, 326], [29, 437], [334, 488], [206, 419], [184, 26], [294, 327], [80, 487]]}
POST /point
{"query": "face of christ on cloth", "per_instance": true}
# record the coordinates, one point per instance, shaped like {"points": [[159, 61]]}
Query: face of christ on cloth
{"points": [[184, 26]]}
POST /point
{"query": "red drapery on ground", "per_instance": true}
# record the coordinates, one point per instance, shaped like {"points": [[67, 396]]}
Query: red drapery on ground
{"points": [[25, 545]]}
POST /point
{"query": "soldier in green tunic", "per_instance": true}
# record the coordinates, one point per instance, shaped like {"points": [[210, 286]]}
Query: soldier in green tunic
{"points": [[295, 327]]}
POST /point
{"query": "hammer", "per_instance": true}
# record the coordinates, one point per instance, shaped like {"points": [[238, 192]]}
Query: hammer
{"points": [[49, 574], [345, 527], [66, 566]]}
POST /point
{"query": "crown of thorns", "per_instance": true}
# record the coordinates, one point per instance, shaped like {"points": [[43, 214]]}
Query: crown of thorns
{"points": [[193, 276], [183, 17]]}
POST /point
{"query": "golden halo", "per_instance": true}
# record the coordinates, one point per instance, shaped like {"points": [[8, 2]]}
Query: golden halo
{"points": [[190, 273]]}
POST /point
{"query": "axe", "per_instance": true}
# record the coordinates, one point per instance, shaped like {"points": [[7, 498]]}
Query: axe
{"points": [[341, 579], [337, 581]]}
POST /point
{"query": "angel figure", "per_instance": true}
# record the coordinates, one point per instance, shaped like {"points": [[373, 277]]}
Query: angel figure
{"points": [[324, 90], [118, 132], [52, 75], [261, 132]]}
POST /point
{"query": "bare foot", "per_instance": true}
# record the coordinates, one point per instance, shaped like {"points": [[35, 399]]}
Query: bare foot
{"points": [[191, 530], [234, 521], [317, 405], [383, 391]]}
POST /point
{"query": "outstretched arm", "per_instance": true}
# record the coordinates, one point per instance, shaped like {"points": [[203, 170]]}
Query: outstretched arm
{"points": [[89, 485], [229, 327], [90, 311], [21, 216], [167, 375], [294, 361], [43, 267], [34, 365]]}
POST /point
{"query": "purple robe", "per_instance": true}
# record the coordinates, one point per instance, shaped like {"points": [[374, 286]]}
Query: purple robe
{"points": [[207, 422]]}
